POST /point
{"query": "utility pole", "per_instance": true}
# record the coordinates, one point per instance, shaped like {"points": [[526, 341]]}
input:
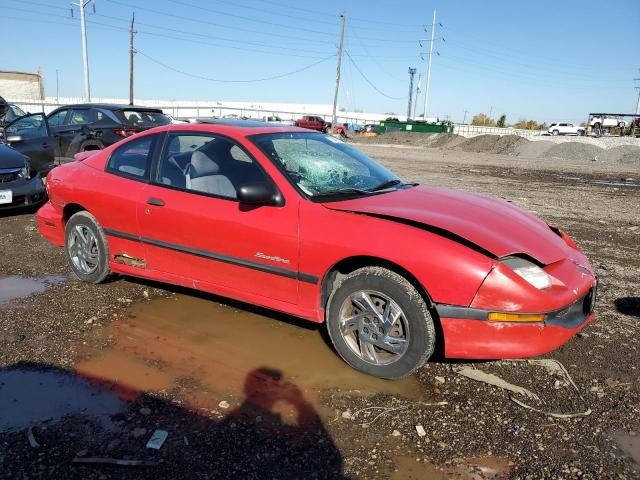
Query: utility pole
{"points": [[131, 52], [465, 117], [335, 96], [426, 90], [490, 113], [412, 72], [85, 59], [637, 88], [415, 103]]}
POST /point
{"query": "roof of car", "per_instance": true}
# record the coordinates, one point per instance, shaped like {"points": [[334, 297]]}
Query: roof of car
{"points": [[233, 122], [111, 106], [243, 127]]}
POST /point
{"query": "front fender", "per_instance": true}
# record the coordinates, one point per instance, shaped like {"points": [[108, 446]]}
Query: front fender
{"points": [[449, 271]]}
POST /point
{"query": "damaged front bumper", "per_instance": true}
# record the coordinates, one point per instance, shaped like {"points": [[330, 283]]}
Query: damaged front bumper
{"points": [[469, 332]]}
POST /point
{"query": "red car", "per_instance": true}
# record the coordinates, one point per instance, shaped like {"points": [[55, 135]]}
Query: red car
{"points": [[300, 222]]}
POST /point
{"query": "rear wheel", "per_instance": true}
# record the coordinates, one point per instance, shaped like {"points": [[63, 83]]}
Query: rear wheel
{"points": [[380, 324], [86, 248]]}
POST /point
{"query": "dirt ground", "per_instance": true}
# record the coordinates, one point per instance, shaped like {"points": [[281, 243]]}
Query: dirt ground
{"points": [[91, 371]]}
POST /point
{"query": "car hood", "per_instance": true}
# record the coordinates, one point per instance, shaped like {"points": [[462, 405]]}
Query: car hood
{"points": [[492, 224], [10, 158]]}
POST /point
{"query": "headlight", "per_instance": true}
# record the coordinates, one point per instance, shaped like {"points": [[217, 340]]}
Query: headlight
{"points": [[529, 271], [24, 173]]}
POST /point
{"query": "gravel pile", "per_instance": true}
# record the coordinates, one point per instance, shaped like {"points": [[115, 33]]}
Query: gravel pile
{"points": [[534, 149], [611, 149], [575, 151], [625, 154]]}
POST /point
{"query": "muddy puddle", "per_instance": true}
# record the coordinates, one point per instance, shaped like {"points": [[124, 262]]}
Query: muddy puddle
{"points": [[206, 352], [15, 286], [629, 443], [30, 397], [480, 468], [629, 182]]}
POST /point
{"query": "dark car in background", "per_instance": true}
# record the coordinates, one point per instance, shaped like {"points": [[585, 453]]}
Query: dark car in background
{"points": [[9, 112], [31, 136], [82, 127], [20, 184]]}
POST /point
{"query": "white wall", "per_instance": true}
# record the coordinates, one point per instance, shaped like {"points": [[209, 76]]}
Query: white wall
{"points": [[21, 85], [195, 109]]}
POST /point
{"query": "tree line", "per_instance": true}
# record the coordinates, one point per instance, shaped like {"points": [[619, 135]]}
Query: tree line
{"points": [[483, 120]]}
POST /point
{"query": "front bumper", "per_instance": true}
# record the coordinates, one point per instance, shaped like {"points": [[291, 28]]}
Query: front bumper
{"points": [[469, 334], [24, 192], [51, 224]]}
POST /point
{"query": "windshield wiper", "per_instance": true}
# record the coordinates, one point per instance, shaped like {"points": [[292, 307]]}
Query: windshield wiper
{"points": [[343, 191], [387, 184]]}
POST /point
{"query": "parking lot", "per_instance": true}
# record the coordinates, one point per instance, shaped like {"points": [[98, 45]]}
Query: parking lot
{"points": [[102, 366]]}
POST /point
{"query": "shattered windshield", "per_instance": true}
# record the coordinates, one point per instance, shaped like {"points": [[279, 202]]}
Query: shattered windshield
{"points": [[321, 165]]}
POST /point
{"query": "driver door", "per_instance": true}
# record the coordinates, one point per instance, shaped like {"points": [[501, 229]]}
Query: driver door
{"points": [[194, 226], [30, 135]]}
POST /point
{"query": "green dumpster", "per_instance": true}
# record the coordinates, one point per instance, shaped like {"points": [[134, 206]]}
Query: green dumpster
{"points": [[418, 127]]}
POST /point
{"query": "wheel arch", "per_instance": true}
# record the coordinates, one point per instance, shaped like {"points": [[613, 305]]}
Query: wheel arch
{"points": [[71, 209], [91, 145], [349, 264]]}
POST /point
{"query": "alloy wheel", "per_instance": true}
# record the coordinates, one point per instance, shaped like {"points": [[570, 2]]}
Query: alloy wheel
{"points": [[374, 327], [83, 249]]}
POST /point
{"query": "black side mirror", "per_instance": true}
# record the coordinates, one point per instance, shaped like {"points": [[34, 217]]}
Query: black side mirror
{"points": [[259, 194]]}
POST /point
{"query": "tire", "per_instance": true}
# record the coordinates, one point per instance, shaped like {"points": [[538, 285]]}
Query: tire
{"points": [[555, 133], [413, 324], [581, 133], [89, 261]]}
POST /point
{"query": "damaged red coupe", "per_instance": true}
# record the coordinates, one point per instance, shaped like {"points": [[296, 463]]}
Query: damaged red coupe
{"points": [[302, 223]]}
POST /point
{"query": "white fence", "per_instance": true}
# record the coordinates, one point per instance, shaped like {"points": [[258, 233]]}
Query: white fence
{"points": [[473, 130], [193, 110]]}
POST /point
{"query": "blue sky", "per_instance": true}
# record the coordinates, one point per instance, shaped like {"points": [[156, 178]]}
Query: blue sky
{"points": [[547, 60]]}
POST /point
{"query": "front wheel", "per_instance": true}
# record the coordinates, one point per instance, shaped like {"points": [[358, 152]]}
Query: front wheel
{"points": [[555, 133], [86, 248], [379, 323]]}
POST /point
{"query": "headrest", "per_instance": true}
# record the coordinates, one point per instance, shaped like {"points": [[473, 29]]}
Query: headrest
{"points": [[202, 165]]}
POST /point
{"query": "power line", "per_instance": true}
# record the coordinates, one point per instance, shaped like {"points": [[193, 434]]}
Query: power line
{"points": [[221, 25], [357, 19], [369, 81], [250, 19], [219, 80], [214, 37], [173, 37]]}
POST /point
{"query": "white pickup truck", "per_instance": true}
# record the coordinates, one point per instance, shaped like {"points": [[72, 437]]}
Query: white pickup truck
{"points": [[565, 129], [606, 121]]}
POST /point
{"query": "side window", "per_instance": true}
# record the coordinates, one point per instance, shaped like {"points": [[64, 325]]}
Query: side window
{"points": [[57, 118], [207, 164], [31, 126], [134, 158], [81, 117]]}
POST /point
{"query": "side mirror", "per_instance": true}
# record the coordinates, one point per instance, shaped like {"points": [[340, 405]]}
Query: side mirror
{"points": [[258, 194], [14, 139]]}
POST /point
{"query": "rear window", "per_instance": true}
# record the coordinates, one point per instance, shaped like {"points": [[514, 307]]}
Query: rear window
{"points": [[133, 159], [143, 118]]}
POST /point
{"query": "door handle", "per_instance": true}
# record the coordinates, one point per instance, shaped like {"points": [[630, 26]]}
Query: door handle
{"points": [[45, 145], [155, 201]]}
